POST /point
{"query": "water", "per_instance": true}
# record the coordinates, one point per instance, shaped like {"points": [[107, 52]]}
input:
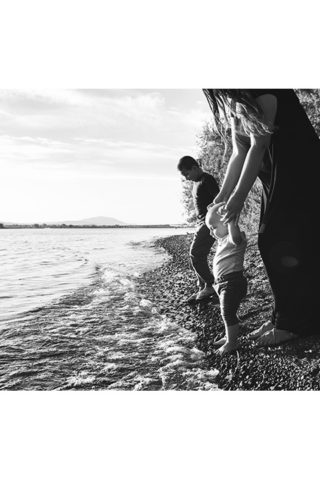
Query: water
{"points": [[39, 266], [71, 317]]}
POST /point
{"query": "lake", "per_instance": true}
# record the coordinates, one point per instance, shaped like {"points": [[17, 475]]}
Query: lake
{"points": [[71, 317]]}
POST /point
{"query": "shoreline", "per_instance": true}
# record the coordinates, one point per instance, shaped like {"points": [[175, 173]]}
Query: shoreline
{"points": [[45, 352], [292, 366], [103, 336]]}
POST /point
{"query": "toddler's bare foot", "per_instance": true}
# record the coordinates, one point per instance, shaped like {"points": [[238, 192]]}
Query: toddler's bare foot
{"points": [[228, 347]]}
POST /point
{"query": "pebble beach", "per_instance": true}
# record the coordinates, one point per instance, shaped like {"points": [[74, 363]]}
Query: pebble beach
{"points": [[139, 333], [292, 366]]}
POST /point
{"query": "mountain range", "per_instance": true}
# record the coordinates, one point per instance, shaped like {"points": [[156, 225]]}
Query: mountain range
{"points": [[92, 221], [86, 221]]}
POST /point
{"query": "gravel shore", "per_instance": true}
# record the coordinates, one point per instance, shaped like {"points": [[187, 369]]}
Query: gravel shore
{"points": [[292, 366]]}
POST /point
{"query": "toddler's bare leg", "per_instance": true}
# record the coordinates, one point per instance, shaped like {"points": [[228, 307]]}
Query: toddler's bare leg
{"points": [[230, 297], [231, 344]]}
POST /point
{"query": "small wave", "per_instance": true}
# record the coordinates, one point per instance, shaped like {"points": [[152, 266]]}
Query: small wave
{"points": [[120, 342], [103, 335]]}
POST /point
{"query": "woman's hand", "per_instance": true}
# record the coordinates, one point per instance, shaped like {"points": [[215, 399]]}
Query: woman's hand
{"points": [[232, 209], [218, 199]]}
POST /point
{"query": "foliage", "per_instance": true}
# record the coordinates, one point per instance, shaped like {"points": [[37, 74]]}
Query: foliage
{"points": [[310, 99], [213, 158], [212, 147], [187, 202]]}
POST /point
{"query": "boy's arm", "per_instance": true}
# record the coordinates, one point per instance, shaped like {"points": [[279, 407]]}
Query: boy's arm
{"points": [[234, 232]]}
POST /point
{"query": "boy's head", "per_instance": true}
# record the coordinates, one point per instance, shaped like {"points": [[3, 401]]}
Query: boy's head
{"points": [[214, 222], [189, 168]]}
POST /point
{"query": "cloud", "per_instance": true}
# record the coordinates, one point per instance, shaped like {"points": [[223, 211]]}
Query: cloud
{"points": [[29, 150], [38, 100], [93, 112], [106, 157], [34, 102], [113, 132], [109, 147], [61, 115]]}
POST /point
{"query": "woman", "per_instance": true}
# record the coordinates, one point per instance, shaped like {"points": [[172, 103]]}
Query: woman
{"points": [[273, 139]]}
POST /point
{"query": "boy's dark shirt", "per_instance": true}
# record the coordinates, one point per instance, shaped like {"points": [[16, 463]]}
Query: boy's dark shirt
{"points": [[203, 192]]}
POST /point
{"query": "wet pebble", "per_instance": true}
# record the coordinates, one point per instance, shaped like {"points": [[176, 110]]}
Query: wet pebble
{"points": [[272, 368]]}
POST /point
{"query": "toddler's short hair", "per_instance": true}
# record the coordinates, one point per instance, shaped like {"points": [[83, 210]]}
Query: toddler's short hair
{"points": [[213, 212]]}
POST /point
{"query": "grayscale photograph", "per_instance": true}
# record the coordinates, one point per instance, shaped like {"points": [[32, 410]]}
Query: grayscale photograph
{"points": [[159, 239]]}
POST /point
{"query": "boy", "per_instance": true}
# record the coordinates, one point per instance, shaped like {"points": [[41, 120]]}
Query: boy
{"points": [[230, 283], [204, 191]]}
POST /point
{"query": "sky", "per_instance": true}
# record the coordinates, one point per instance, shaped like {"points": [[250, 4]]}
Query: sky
{"points": [[80, 153], [70, 154]]}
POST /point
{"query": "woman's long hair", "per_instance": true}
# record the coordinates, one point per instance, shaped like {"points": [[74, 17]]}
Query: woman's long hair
{"points": [[239, 104]]}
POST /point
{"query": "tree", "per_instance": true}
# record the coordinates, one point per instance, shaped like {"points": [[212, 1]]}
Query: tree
{"points": [[213, 157], [187, 202], [210, 147], [310, 99]]}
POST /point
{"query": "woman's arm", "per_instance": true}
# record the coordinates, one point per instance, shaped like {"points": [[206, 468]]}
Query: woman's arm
{"points": [[253, 160], [234, 168]]}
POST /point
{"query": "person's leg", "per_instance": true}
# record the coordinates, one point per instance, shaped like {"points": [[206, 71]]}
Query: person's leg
{"points": [[287, 245], [275, 336], [193, 247], [200, 282], [265, 327], [280, 247], [287, 236], [199, 251], [231, 294]]}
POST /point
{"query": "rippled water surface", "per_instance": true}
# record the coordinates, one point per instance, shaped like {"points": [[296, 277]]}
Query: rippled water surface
{"points": [[71, 317], [39, 266]]}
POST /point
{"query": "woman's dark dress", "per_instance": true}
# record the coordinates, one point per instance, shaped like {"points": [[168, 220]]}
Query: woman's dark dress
{"points": [[289, 214]]}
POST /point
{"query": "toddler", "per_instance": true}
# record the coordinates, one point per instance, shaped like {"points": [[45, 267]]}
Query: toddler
{"points": [[230, 283]]}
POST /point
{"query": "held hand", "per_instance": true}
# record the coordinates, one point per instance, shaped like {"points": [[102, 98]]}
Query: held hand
{"points": [[220, 204], [218, 199], [232, 210]]}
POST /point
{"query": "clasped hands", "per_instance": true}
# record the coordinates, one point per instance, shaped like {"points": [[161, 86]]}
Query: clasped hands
{"points": [[229, 210]]}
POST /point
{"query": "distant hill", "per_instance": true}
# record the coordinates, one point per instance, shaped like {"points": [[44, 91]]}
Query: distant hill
{"points": [[91, 221], [99, 221]]}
